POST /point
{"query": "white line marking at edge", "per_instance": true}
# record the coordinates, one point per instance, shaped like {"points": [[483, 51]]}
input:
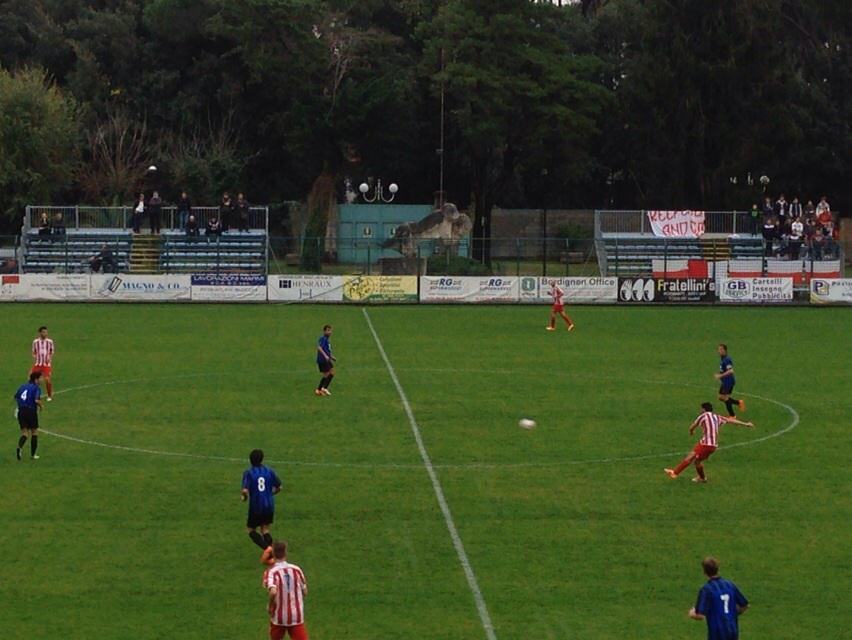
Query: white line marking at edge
{"points": [[439, 491]]}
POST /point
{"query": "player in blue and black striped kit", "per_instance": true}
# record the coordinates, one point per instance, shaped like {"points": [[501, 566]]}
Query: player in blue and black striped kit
{"points": [[720, 603], [260, 484], [28, 398]]}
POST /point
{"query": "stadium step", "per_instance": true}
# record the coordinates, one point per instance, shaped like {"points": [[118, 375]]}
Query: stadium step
{"points": [[713, 250], [145, 254]]}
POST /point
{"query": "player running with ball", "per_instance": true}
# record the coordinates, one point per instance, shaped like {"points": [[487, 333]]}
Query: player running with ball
{"points": [[710, 423], [558, 307]]}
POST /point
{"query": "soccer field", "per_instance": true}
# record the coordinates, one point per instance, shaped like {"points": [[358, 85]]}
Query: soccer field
{"points": [[130, 524]]}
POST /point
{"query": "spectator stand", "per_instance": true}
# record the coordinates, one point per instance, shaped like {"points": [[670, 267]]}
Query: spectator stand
{"points": [[80, 232]]}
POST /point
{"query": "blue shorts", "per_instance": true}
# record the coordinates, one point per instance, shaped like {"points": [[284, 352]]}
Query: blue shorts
{"points": [[726, 389]]}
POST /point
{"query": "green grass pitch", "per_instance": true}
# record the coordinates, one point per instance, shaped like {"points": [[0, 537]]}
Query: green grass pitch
{"points": [[567, 536]]}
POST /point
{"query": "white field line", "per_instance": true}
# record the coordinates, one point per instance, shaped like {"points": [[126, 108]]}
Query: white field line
{"points": [[481, 607], [393, 465]]}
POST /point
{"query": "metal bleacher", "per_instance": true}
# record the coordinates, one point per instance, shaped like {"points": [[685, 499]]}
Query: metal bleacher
{"points": [[632, 254], [233, 251], [71, 251]]}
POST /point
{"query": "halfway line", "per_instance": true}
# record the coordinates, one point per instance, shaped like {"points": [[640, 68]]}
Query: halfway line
{"points": [[439, 491]]}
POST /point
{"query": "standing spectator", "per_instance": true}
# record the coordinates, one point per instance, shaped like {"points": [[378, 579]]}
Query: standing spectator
{"points": [[754, 219], [818, 245], [810, 210], [155, 210], [191, 227], [226, 212], [243, 212], [768, 209], [795, 209], [184, 208], [770, 233], [138, 212], [808, 236], [58, 228], [794, 240], [782, 209], [720, 603], [823, 205], [44, 225], [214, 227]]}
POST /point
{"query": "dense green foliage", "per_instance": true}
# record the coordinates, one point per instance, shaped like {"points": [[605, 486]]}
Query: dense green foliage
{"points": [[118, 543], [631, 103]]}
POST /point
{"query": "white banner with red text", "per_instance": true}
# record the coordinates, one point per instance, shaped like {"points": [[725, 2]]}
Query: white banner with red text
{"points": [[677, 224]]}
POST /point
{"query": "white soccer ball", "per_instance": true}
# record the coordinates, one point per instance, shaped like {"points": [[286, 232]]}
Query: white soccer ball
{"points": [[526, 423], [152, 168]]}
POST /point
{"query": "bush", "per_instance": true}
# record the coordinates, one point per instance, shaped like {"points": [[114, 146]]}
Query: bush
{"points": [[456, 266]]}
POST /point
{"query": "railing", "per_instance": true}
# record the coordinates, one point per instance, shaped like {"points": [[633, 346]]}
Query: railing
{"points": [[635, 222], [88, 217]]}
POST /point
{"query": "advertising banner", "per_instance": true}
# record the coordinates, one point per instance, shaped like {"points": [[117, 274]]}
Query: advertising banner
{"points": [[140, 287], [646, 290], [468, 289], [756, 289], [228, 287], [577, 290], [380, 288], [831, 291], [300, 288], [8, 286], [677, 224], [46, 286]]}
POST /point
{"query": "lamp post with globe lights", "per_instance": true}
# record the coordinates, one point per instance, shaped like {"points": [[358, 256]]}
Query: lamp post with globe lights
{"points": [[378, 191]]}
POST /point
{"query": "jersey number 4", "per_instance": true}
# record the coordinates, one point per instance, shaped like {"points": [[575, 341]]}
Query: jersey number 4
{"points": [[24, 395]]}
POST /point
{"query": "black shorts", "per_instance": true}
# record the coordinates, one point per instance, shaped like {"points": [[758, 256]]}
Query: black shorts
{"points": [[726, 389], [28, 418], [325, 367], [259, 519]]}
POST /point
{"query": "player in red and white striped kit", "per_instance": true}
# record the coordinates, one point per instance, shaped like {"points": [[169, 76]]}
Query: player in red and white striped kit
{"points": [[710, 423], [558, 307], [43, 350], [287, 589]]}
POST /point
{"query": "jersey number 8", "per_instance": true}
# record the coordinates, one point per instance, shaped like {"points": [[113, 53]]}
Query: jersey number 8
{"points": [[261, 484]]}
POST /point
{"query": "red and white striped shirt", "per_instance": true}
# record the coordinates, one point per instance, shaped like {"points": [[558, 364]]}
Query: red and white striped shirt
{"points": [[42, 351], [557, 294], [710, 423], [288, 607]]}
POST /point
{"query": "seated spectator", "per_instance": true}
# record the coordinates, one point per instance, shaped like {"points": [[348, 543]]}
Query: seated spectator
{"points": [[810, 210], [214, 227], [825, 221], [191, 227], [58, 228], [794, 240], [823, 205], [104, 258], [44, 225]]}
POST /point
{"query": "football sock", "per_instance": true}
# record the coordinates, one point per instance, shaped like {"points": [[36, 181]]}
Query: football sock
{"points": [[258, 539], [700, 469], [321, 383], [21, 441], [50, 389], [267, 538], [730, 404], [33, 445], [683, 465], [328, 380]]}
